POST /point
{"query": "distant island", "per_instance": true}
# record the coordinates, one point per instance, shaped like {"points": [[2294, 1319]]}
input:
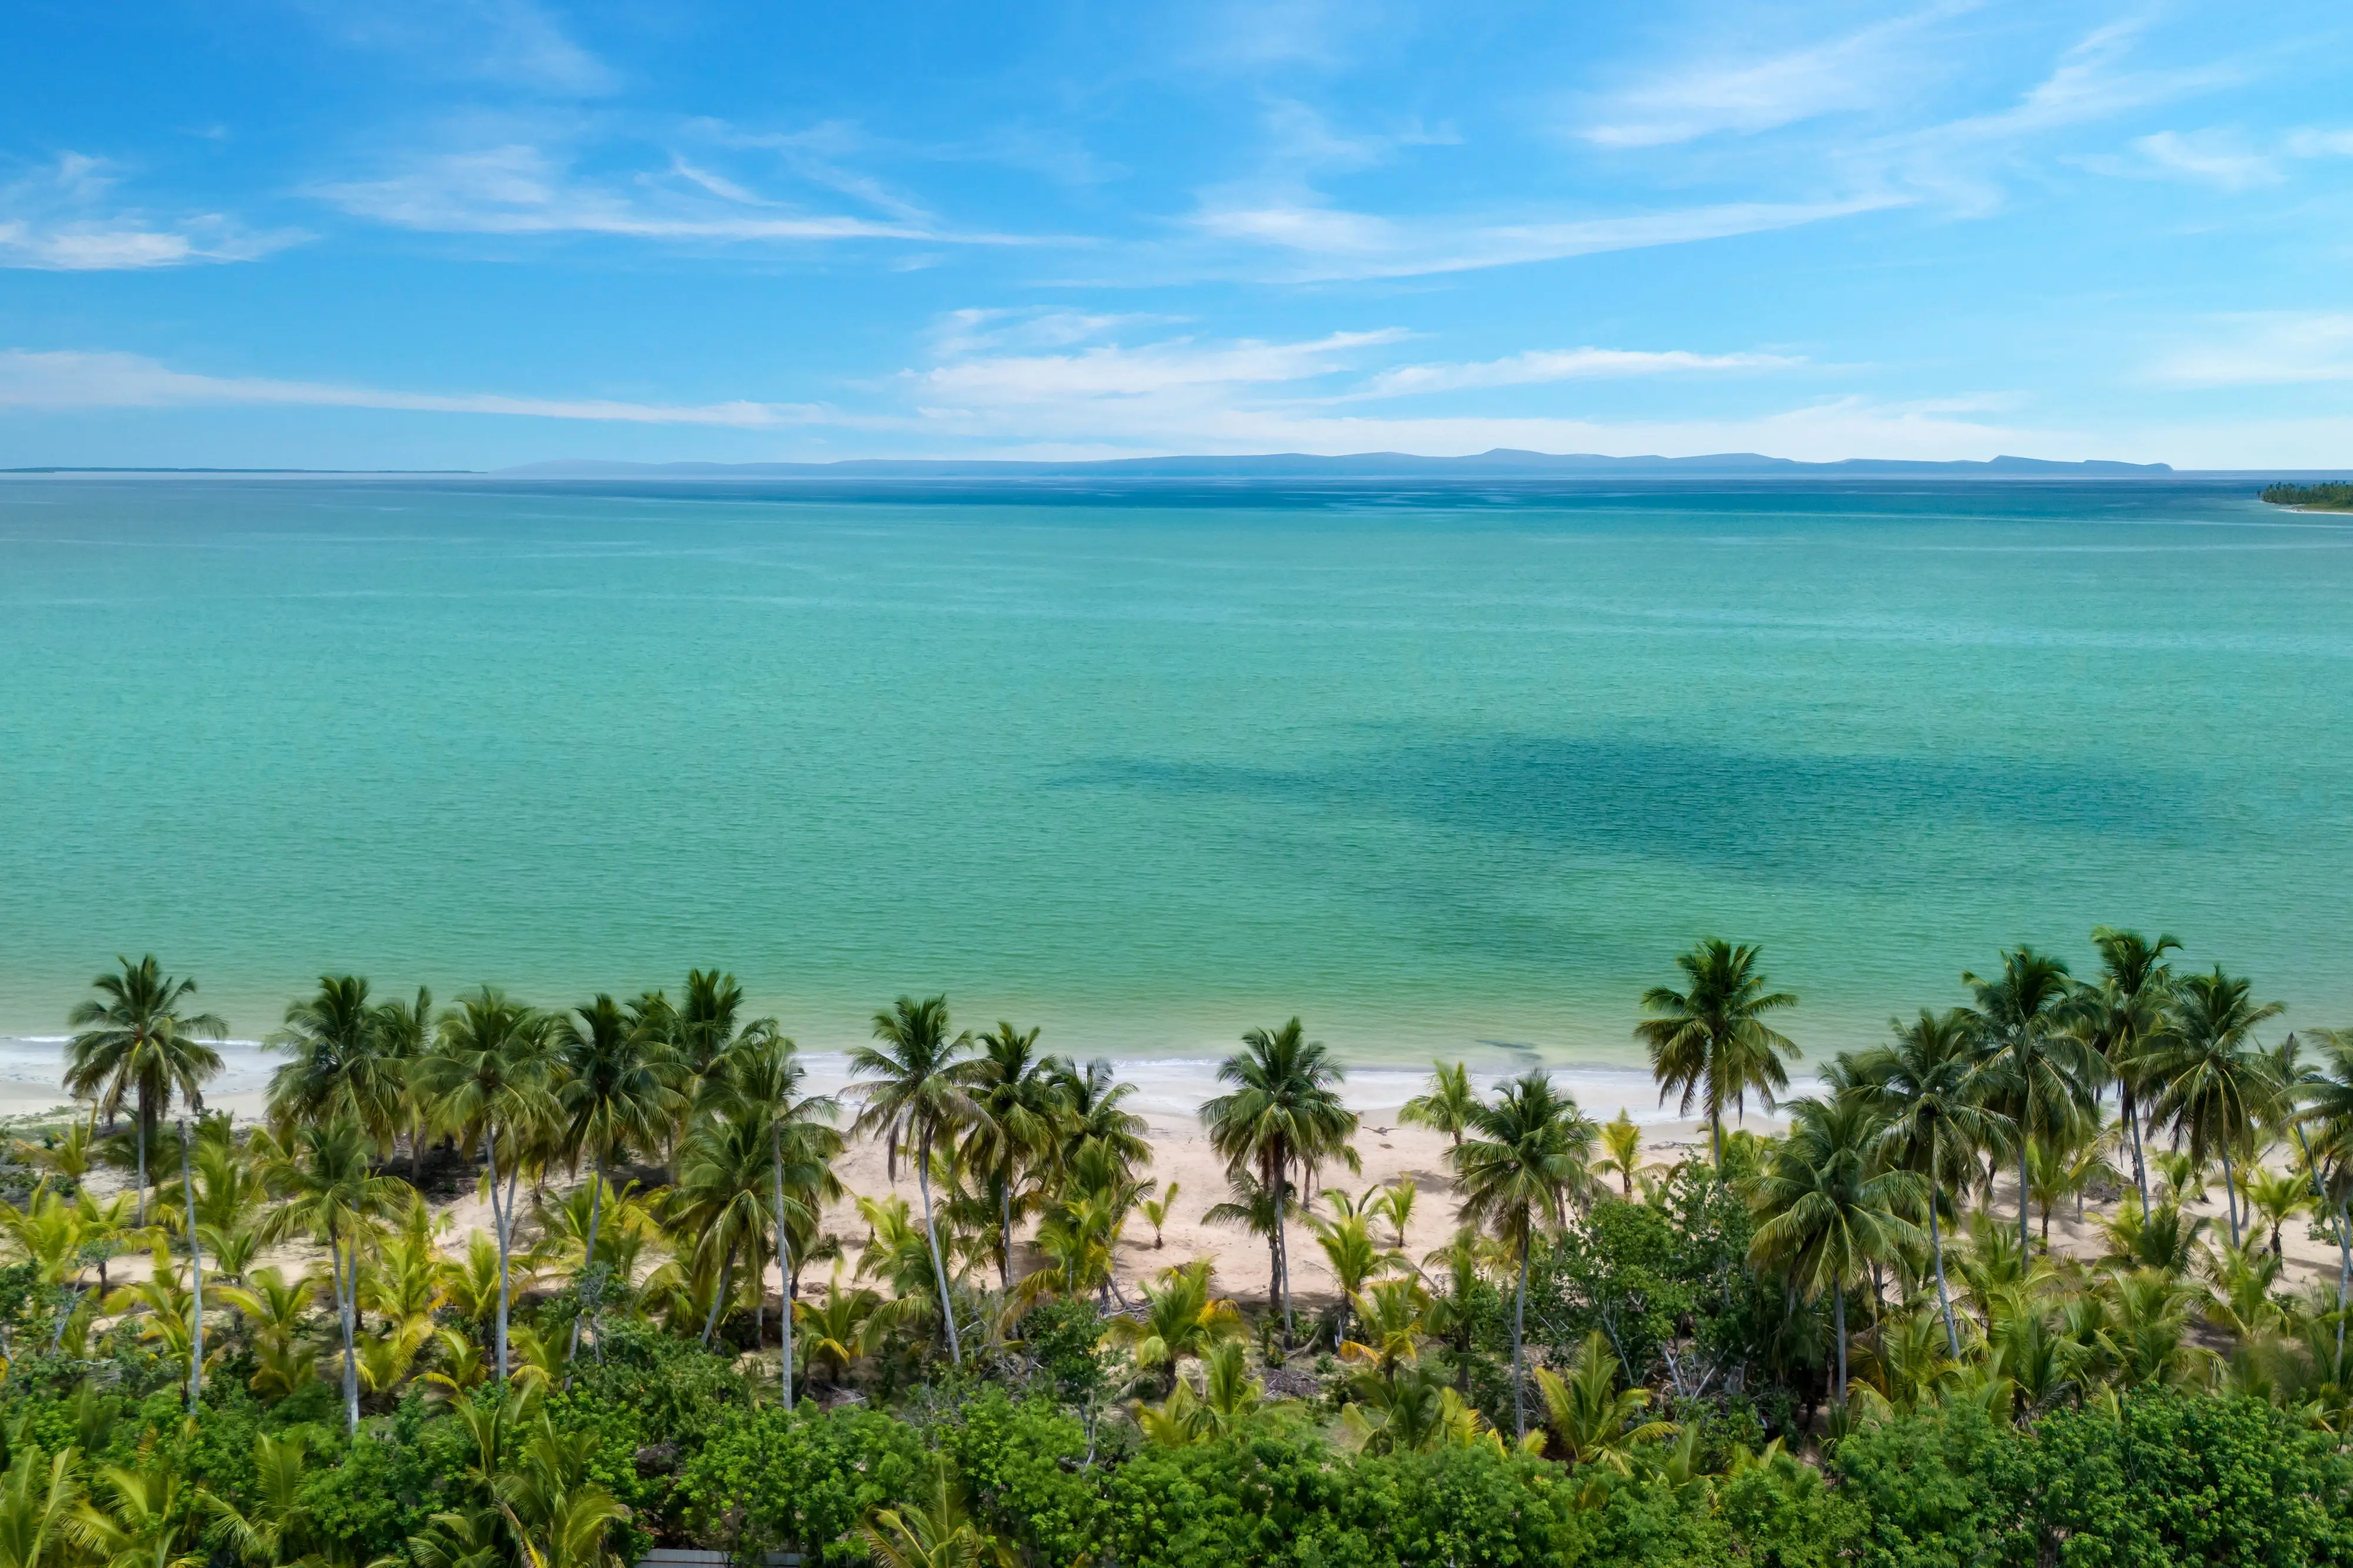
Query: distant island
{"points": [[2331, 497]]}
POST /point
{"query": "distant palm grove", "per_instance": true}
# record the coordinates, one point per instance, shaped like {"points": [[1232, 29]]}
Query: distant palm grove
{"points": [[1854, 1342]]}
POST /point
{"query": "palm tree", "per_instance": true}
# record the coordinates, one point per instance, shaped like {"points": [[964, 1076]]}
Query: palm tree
{"points": [[1525, 1159], [2206, 1078], [764, 1090], [1019, 1113], [1095, 1114], [1923, 1087], [915, 1098], [133, 1044], [1597, 1421], [1709, 1042], [1623, 1139], [937, 1533], [331, 1194], [2119, 1016], [2321, 1097], [1252, 1209], [2040, 1078], [1447, 1107], [1829, 1208], [1284, 1110], [1182, 1319], [38, 1497], [616, 1093], [405, 1029], [488, 1078], [338, 1041]]}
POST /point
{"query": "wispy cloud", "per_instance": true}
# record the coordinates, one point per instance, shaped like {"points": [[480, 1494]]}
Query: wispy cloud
{"points": [[1538, 365], [518, 188], [1751, 90], [514, 43], [1328, 243], [59, 381], [63, 217], [1176, 370], [2223, 159], [2270, 349]]}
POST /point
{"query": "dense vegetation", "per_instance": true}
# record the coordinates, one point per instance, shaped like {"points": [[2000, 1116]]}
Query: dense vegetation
{"points": [[2328, 496], [1823, 1347]]}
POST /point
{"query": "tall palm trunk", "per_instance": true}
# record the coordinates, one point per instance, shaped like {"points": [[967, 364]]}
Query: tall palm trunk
{"points": [[339, 1276], [2344, 1238], [1838, 1295], [2230, 1193], [196, 1281], [931, 1231], [2131, 1125], [2025, 1235], [498, 1230], [1005, 1232], [1944, 1291], [719, 1297], [145, 1111], [1519, 1342], [784, 1261], [1283, 1245], [588, 1259]]}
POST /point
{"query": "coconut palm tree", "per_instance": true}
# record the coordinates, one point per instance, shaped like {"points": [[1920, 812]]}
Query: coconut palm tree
{"points": [[1623, 1139], [939, 1532], [2119, 1014], [331, 1193], [1447, 1107], [2043, 1078], [1923, 1087], [1095, 1114], [2319, 1098], [1019, 1112], [1182, 1319], [1592, 1419], [1283, 1112], [405, 1029], [1709, 1042], [764, 1090], [489, 1077], [912, 1096], [38, 1496], [614, 1093], [2208, 1081], [342, 1062], [1830, 1209], [132, 1042], [1526, 1157]]}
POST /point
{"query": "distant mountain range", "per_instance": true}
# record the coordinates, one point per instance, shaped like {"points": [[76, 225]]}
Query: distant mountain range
{"points": [[1500, 463]]}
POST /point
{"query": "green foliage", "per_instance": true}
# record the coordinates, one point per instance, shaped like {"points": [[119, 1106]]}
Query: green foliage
{"points": [[1024, 1465], [798, 1481], [2330, 496], [1061, 1338]]}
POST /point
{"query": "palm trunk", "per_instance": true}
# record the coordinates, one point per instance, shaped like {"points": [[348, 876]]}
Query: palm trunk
{"points": [[784, 1264], [1838, 1293], [1005, 1233], [142, 1135], [1282, 1247], [1716, 1138], [2230, 1194], [498, 1230], [588, 1259], [719, 1297], [339, 1278], [2025, 1235], [939, 1266], [2140, 1162], [196, 1281], [1944, 1291], [1519, 1341], [2344, 1239]]}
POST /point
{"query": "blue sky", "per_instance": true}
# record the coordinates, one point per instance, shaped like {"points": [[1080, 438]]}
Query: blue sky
{"points": [[469, 233]]}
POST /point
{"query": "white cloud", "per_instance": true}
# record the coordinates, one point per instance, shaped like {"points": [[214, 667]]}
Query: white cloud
{"points": [[1538, 365], [59, 381], [2315, 142], [515, 43], [518, 188], [1750, 91], [1177, 371], [2218, 158], [2270, 349], [59, 218], [1332, 244]]}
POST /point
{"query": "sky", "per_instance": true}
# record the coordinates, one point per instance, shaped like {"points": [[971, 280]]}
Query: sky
{"points": [[476, 233]]}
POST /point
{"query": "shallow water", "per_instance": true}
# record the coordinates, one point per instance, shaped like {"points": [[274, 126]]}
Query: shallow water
{"points": [[1441, 769]]}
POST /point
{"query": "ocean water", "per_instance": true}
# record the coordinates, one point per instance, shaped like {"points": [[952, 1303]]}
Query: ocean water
{"points": [[1443, 769]]}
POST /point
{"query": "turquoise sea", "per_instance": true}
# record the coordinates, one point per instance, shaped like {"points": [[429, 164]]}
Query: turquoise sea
{"points": [[1442, 768]]}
